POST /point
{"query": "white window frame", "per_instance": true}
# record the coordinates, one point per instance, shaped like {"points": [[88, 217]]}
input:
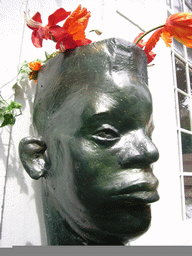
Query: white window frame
{"points": [[183, 58]]}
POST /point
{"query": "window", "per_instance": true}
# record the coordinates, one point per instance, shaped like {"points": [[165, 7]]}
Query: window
{"points": [[188, 3], [168, 3], [182, 69]]}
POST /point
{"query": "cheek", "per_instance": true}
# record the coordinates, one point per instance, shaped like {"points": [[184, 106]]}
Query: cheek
{"points": [[61, 174], [93, 162], [94, 169]]}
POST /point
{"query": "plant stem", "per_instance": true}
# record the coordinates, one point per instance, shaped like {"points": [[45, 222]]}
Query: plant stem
{"points": [[10, 80], [4, 100], [148, 33]]}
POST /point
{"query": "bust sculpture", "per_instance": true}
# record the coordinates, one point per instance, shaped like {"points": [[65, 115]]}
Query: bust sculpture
{"points": [[93, 147]]}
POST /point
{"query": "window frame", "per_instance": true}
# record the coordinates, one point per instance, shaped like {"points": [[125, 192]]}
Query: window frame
{"points": [[175, 53]]}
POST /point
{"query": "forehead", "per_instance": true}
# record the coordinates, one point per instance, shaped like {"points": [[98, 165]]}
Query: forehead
{"points": [[124, 105], [119, 102]]}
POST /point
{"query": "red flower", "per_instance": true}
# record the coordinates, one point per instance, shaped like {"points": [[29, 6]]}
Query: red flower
{"points": [[39, 32], [142, 44], [72, 34], [179, 26]]}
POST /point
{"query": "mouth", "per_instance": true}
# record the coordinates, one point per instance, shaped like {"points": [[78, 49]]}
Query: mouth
{"points": [[139, 197], [139, 193]]}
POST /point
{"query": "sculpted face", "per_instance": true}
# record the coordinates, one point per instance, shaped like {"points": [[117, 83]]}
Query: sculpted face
{"points": [[104, 181], [100, 153]]}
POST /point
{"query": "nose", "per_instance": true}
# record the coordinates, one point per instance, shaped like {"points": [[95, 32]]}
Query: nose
{"points": [[136, 149]]}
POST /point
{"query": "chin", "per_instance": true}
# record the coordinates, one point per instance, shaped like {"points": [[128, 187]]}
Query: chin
{"points": [[127, 223]]}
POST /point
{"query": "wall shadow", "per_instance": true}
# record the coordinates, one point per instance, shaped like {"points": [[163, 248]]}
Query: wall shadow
{"points": [[24, 94]]}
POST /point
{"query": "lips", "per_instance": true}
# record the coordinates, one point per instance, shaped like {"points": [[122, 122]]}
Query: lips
{"points": [[139, 197], [140, 185], [142, 192]]}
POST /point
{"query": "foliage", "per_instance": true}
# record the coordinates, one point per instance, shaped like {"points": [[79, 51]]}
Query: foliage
{"points": [[8, 112]]}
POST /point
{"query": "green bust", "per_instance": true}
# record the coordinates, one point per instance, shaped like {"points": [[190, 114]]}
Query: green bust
{"points": [[93, 150]]}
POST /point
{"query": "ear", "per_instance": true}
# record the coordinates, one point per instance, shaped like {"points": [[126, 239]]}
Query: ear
{"points": [[32, 152]]}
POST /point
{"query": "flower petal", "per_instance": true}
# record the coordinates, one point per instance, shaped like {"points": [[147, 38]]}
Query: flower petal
{"points": [[37, 37], [141, 43], [72, 18], [79, 15], [37, 17], [57, 32], [150, 56], [67, 42], [186, 41], [153, 40], [83, 42], [84, 20], [35, 22], [57, 16], [167, 38], [35, 66], [181, 18], [179, 25]]}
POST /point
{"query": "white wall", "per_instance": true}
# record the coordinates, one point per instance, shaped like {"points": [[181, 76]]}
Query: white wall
{"points": [[22, 220]]}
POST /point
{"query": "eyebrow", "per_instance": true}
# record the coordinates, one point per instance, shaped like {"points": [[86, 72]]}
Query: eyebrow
{"points": [[100, 117]]}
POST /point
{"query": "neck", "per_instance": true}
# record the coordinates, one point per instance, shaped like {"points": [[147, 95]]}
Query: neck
{"points": [[63, 234], [59, 231]]}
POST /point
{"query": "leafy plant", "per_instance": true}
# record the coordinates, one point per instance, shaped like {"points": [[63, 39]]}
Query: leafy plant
{"points": [[8, 112]]}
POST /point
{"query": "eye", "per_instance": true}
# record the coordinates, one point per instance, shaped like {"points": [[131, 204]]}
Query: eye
{"points": [[106, 133]]}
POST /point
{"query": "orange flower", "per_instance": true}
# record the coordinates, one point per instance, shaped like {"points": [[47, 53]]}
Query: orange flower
{"points": [[178, 26], [35, 66], [142, 44], [33, 75], [72, 34], [77, 22]]}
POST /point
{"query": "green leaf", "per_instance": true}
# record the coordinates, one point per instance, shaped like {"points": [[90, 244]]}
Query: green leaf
{"points": [[3, 109], [15, 85], [2, 113], [47, 55], [8, 119], [13, 105]]}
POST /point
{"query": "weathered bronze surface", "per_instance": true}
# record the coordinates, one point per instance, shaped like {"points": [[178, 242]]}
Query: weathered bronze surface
{"points": [[93, 116]]}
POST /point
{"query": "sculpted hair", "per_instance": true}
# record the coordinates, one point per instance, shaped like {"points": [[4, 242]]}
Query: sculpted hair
{"points": [[69, 72]]}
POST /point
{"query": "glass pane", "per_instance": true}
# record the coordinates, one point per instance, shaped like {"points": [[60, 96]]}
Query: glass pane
{"points": [[184, 111], [189, 54], [190, 76], [181, 75], [188, 196], [178, 46], [189, 4], [177, 5], [168, 3], [186, 140], [187, 9], [187, 162]]}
